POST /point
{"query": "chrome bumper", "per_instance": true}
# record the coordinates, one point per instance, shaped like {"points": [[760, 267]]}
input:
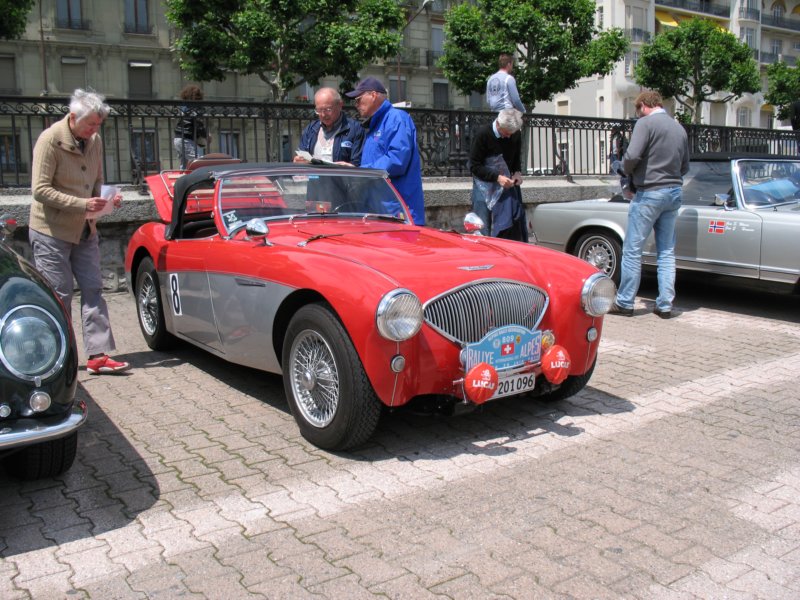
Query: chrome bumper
{"points": [[28, 431]]}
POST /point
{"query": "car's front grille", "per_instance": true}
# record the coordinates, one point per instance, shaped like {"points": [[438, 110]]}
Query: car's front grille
{"points": [[468, 313]]}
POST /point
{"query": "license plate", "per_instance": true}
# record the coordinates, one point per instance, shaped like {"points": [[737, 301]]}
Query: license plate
{"points": [[506, 347], [515, 384]]}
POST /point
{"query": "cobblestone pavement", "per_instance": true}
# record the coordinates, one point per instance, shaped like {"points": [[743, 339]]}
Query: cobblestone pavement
{"points": [[675, 474]]}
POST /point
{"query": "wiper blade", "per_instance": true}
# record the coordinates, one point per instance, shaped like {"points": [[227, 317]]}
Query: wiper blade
{"points": [[383, 217]]}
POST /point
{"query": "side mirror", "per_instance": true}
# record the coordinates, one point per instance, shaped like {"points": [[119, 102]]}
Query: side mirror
{"points": [[257, 228], [721, 199], [473, 224]]}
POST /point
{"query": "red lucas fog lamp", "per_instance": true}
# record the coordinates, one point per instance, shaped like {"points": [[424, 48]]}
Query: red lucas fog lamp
{"points": [[480, 383], [556, 364]]}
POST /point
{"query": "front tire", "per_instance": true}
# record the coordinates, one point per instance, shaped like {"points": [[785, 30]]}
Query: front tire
{"points": [[603, 250], [149, 308], [328, 391], [46, 459], [571, 386]]}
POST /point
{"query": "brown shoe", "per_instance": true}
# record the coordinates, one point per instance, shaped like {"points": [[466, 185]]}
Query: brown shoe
{"points": [[616, 309]]}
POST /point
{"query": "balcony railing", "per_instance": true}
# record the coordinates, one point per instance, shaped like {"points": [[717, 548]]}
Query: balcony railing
{"points": [[139, 28], [78, 24], [749, 13], [708, 8], [770, 57], [431, 56], [408, 57], [780, 22], [637, 35], [268, 132]]}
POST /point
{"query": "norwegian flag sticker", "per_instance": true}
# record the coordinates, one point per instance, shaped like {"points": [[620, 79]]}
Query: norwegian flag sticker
{"points": [[716, 227]]}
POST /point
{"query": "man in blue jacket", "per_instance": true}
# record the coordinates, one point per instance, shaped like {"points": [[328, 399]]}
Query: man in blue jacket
{"points": [[334, 137], [390, 143]]}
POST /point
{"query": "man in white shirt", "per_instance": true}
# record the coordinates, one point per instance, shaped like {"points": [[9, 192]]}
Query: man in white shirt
{"points": [[501, 88]]}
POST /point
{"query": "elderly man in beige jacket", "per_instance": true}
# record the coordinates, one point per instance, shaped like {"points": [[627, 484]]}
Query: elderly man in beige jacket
{"points": [[67, 176]]}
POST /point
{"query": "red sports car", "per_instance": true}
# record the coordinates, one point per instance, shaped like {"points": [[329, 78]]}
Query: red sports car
{"points": [[317, 272]]}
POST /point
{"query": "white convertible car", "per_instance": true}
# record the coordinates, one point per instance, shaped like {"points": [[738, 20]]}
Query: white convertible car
{"points": [[740, 217]]}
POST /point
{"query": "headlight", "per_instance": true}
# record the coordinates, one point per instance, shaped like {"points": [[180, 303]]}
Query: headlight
{"points": [[598, 295], [399, 315], [32, 343]]}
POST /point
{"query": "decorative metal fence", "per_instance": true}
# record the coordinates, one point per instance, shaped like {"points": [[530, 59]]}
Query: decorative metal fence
{"points": [[138, 136]]}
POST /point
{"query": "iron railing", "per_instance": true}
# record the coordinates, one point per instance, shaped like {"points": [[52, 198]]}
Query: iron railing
{"points": [[138, 137]]}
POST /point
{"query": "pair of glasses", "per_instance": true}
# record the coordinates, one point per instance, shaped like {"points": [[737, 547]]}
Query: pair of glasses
{"points": [[361, 97], [323, 111]]}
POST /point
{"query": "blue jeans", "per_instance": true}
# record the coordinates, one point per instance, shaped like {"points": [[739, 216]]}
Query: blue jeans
{"points": [[479, 208], [657, 211]]}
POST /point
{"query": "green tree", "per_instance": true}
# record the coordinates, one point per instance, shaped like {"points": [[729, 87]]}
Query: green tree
{"points": [[783, 83], [695, 62], [284, 42], [554, 43], [15, 17]]}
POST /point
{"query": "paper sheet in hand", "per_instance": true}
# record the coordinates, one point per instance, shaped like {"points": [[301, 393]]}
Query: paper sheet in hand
{"points": [[307, 156], [109, 192]]}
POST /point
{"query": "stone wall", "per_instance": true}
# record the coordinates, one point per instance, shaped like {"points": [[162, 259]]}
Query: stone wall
{"points": [[447, 200]]}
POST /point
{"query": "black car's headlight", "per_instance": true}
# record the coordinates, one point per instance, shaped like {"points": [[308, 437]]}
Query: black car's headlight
{"points": [[399, 315], [598, 294], [32, 342]]}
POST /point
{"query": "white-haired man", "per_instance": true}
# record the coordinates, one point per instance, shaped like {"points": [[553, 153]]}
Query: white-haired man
{"points": [[495, 160], [67, 175]]}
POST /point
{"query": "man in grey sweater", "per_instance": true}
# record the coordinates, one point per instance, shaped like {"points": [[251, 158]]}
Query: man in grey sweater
{"points": [[656, 159]]}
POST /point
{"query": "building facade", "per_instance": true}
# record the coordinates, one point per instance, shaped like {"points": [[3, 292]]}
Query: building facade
{"points": [[122, 49], [770, 27]]}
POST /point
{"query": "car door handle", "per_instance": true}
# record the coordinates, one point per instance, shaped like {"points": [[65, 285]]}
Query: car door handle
{"points": [[250, 282]]}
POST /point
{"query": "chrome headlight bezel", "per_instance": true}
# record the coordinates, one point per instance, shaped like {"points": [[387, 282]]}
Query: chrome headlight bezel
{"points": [[598, 294], [24, 318], [399, 315]]}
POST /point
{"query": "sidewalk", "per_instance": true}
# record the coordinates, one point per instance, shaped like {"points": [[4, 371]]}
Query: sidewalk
{"points": [[675, 474]]}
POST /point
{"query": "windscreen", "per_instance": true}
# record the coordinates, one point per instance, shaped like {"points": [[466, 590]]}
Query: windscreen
{"points": [[245, 196]]}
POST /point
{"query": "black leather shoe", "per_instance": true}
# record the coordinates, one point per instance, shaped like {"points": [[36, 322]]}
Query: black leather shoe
{"points": [[616, 309], [664, 314]]}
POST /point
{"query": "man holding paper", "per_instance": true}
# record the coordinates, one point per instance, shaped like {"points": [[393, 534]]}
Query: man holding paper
{"points": [[334, 137], [66, 180]]}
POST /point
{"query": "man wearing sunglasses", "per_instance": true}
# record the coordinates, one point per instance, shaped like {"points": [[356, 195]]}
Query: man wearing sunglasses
{"points": [[390, 143], [334, 137]]}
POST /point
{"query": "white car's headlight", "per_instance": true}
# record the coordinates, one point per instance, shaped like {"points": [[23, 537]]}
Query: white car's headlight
{"points": [[598, 295], [32, 343], [399, 315]]}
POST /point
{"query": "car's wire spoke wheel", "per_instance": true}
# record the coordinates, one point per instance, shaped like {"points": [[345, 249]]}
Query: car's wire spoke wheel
{"points": [[329, 393], [147, 301], [148, 307], [315, 378]]}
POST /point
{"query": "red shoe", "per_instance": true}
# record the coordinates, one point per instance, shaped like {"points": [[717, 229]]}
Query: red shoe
{"points": [[105, 364]]}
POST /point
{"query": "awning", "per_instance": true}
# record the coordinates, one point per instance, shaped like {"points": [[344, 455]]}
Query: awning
{"points": [[666, 19]]}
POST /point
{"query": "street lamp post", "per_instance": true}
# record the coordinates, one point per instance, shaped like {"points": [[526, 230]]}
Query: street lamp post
{"points": [[422, 7]]}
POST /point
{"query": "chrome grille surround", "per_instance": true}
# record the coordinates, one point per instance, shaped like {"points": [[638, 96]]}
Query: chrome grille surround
{"points": [[467, 313]]}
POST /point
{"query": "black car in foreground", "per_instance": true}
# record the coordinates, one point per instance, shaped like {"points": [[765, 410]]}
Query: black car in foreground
{"points": [[39, 417]]}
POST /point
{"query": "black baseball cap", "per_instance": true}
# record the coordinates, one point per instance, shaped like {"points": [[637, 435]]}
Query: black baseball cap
{"points": [[368, 84]]}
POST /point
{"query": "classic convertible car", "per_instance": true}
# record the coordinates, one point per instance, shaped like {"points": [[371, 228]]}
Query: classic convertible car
{"points": [[39, 416], [318, 273], [740, 217]]}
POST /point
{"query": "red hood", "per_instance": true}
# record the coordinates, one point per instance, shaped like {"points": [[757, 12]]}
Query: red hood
{"points": [[407, 253]]}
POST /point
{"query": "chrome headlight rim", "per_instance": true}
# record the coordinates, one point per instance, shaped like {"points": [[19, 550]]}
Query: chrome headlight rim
{"points": [[58, 359], [598, 294], [389, 321]]}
